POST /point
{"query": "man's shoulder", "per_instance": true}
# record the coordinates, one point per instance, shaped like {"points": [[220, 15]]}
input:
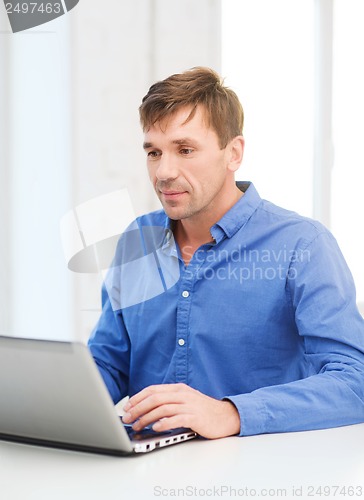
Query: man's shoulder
{"points": [[270, 218], [290, 220]]}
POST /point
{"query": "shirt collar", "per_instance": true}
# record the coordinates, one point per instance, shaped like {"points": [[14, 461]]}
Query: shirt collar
{"points": [[239, 214]]}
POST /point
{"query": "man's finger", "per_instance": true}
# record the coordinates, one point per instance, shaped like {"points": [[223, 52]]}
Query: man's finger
{"points": [[162, 412], [152, 402], [166, 424], [153, 389]]}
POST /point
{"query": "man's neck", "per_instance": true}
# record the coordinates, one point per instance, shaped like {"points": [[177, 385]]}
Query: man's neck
{"points": [[192, 232]]}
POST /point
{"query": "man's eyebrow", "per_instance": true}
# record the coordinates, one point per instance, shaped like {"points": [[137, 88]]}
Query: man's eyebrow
{"points": [[184, 140]]}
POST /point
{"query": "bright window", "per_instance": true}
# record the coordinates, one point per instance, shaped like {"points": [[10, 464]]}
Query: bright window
{"points": [[268, 58], [348, 130]]}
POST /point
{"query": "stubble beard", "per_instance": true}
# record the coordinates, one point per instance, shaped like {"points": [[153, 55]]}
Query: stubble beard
{"points": [[176, 213]]}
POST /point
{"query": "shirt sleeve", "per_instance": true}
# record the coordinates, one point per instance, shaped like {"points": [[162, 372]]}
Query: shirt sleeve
{"points": [[321, 292], [110, 347]]}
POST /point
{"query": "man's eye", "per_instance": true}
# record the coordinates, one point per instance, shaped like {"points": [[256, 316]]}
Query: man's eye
{"points": [[152, 154], [186, 151]]}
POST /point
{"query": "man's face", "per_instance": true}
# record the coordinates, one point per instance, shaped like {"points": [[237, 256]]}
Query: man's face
{"points": [[188, 169]]}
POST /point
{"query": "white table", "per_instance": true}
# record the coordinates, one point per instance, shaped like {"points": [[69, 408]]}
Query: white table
{"points": [[275, 466]]}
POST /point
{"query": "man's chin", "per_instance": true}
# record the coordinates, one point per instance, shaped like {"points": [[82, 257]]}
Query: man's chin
{"points": [[175, 213]]}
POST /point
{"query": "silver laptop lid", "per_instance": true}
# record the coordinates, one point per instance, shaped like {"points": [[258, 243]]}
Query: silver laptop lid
{"points": [[53, 392]]}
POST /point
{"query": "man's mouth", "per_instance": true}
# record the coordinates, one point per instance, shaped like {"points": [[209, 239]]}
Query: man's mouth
{"points": [[171, 194]]}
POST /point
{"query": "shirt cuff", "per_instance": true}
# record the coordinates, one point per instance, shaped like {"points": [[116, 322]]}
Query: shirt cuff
{"points": [[252, 412]]}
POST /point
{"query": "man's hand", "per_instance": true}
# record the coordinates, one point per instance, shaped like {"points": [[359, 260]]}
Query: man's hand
{"points": [[178, 405]]}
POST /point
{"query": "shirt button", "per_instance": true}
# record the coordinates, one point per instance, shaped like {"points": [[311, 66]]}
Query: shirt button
{"points": [[181, 342], [185, 294]]}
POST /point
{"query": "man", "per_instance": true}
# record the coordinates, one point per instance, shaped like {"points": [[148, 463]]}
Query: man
{"points": [[260, 331]]}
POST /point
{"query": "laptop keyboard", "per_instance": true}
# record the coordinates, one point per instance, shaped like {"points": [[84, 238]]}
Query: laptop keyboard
{"points": [[146, 433]]}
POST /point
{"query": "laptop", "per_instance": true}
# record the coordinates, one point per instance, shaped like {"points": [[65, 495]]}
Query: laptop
{"points": [[52, 394]]}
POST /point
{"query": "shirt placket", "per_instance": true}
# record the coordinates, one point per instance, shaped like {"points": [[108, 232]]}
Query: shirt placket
{"points": [[189, 276]]}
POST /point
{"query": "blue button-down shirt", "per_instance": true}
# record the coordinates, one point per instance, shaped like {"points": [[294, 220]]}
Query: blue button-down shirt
{"points": [[264, 315]]}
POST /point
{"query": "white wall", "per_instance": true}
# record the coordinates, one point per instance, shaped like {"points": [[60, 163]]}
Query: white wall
{"points": [[5, 248]]}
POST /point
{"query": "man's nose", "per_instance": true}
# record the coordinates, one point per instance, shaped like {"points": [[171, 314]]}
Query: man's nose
{"points": [[167, 168]]}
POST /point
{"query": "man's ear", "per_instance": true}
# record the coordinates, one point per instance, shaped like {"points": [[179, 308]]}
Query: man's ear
{"points": [[236, 152]]}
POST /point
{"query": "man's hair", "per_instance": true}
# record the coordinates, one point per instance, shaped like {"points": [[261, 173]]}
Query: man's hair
{"points": [[195, 87]]}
